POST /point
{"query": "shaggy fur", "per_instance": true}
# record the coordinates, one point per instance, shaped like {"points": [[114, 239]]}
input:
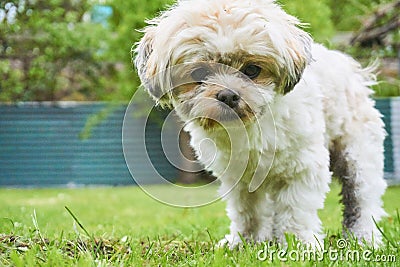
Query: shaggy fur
{"points": [[307, 113]]}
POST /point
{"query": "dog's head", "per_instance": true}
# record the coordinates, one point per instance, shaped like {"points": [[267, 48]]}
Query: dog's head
{"points": [[221, 60]]}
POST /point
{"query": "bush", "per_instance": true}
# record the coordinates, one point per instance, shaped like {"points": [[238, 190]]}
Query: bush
{"points": [[55, 55], [347, 15], [11, 86], [129, 17]]}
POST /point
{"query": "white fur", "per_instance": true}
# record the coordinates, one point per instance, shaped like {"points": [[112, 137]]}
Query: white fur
{"points": [[328, 115]]}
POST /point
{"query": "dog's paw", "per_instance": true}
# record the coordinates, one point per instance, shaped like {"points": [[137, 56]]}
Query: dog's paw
{"points": [[230, 241], [369, 237]]}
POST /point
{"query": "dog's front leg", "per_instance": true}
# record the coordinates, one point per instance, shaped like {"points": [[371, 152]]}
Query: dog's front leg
{"points": [[296, 209], [251, 216]]}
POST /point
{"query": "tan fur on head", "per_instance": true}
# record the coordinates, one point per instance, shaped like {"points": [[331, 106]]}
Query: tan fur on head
{"points": [[194, 31]]}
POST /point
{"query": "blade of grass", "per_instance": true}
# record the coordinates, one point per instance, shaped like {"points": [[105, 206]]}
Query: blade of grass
{"points": [[244, 242], [95, 247], [149, 250], [383, 234], [212, 240], [78, 222], [10, 220], [36, 225], [60, 239], [189, 247]]}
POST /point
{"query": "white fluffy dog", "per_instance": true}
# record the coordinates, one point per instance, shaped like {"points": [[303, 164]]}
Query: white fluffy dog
{"points": [[281, 111]]}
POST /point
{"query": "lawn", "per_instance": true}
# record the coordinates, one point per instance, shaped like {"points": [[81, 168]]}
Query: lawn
{"points": [[122, 226]]}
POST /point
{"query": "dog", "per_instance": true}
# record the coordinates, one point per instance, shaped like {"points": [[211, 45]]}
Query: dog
{"points": [[283, 113]]}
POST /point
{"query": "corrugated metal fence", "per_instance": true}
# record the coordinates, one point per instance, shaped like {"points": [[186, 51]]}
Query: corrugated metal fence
{"points": [[40, 145]]}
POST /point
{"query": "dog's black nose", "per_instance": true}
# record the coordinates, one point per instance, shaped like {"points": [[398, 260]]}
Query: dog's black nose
{"points": [[229, 97]]}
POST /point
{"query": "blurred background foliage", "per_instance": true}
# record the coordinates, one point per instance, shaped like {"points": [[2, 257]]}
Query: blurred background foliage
{"points": [[80, 49]]}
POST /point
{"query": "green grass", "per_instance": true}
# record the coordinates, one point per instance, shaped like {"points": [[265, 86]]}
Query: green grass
{"points": [[124, 227]]}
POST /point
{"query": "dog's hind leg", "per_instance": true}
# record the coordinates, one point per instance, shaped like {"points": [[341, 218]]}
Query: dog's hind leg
{"points": [[357, 161]]}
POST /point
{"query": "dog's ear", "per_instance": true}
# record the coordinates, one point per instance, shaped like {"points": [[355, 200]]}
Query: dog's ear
{"points": [[146, 65], [296, 55]]}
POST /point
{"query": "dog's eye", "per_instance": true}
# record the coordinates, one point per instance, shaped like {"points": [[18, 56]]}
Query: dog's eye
{"points": [[199, 75], [251, 71]]}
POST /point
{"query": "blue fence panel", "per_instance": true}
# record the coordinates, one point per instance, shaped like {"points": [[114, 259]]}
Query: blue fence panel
{"points": [[384, 106], [40, 145]]}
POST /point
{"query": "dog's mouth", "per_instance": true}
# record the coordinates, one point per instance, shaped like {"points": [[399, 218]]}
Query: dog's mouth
{"points": [[224, 116], [232, 114]]}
